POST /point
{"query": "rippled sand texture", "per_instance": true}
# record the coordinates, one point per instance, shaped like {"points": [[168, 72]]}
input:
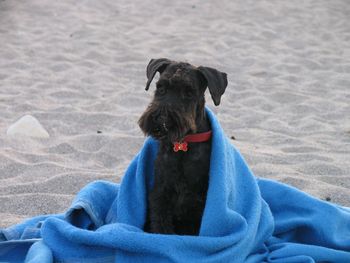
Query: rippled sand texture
{"points": [[79, 68]]}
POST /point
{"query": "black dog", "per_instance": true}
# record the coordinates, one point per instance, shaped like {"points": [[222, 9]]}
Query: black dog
{"points": [[176, 117]]}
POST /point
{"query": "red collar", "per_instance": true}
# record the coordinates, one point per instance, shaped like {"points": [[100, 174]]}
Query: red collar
{"points": [[198, 137]]}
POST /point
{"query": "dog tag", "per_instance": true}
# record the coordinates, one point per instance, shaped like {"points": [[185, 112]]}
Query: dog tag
{"points": [[180, 146]]}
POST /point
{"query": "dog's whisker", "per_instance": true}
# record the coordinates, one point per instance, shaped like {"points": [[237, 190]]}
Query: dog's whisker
{"points": [[165, 127]]}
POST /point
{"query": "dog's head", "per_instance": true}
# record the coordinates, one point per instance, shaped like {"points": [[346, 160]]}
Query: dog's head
{"points": [[178, 103]]}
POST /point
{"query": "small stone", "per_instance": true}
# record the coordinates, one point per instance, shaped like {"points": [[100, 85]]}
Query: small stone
{"points": [[27, 126], [99, 131], [233, 137], [328, 198]]}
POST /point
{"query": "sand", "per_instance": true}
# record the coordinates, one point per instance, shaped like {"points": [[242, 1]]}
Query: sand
{"points": [[78, 67]]}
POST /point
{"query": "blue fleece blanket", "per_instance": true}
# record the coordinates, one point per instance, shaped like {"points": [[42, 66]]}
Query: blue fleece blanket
{"points": [[245, 220]]}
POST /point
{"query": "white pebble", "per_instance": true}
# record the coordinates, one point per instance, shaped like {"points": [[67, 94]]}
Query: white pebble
{"points": [[27, 126]]}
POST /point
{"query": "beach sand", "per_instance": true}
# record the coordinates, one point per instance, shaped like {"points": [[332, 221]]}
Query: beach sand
{"points": [[79, 68]]}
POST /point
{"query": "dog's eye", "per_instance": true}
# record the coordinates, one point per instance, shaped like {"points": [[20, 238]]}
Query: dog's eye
{"points": [[161, 90], [189, 93]]}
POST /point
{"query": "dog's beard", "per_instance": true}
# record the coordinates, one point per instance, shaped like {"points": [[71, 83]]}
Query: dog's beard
{"points": [[169, 124]]}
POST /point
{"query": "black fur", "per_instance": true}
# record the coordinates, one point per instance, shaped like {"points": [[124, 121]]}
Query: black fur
{"points": [[177, 198]]}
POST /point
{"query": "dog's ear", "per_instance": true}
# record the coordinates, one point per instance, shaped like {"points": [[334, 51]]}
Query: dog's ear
{"points": [[216, 82], [153, 66]]}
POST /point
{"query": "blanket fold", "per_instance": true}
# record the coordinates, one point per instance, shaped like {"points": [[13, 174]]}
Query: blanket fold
{"points": [[245, 220]]}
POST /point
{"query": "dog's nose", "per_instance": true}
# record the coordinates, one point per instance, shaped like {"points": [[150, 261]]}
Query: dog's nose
{"points": [[154, 117], [158, 118]]}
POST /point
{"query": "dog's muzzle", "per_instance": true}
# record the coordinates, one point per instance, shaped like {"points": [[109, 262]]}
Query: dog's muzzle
{"points": [[166, 123]]}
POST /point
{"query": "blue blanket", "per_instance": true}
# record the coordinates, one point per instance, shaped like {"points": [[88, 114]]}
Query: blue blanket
{"points": [[245, 220]]}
